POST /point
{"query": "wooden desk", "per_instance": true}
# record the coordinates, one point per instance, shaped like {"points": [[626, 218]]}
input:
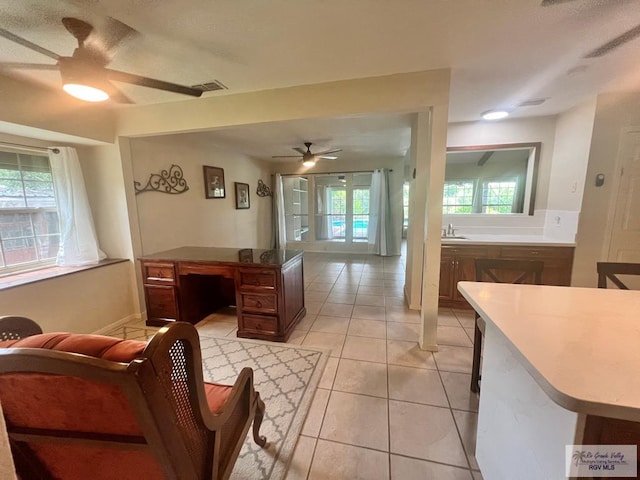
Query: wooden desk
{"points": [[188, 283]]}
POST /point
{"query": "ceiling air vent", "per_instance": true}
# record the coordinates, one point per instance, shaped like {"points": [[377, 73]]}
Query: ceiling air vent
{"points": [[211, 86]]}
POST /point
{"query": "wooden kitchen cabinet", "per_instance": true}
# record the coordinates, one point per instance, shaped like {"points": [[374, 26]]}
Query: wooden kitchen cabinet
{"points": [[457, 263]]}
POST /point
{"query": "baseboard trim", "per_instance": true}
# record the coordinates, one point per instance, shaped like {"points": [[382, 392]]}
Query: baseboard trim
{"points": [[118, 323]]}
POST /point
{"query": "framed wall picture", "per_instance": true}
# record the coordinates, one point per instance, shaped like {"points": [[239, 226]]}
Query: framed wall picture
{"points": [[213, 182], [242, 195], [245, 255]]}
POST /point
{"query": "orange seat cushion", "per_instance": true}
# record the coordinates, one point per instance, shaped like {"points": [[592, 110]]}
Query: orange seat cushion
{"points": [[216, 396], [98, 346]]}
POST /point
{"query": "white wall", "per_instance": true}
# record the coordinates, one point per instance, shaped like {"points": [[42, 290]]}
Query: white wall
{"points": [[25, 103], [189, 219], [614, 113], [81, 302], [104, 181], [568, 171]]}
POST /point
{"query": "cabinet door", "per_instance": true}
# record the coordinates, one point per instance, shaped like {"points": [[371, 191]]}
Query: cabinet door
{"points": [[446, 277], [558, 261], [465, 270]]}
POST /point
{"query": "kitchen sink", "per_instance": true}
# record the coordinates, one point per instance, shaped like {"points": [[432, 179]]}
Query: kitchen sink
{"points": [[454, 237]]}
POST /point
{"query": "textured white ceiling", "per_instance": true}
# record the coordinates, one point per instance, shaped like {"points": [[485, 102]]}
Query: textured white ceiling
{"points": [[501, 52]]}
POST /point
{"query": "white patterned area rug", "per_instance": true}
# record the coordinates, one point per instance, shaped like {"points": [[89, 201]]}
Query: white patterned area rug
{"points": [[286, 377]]}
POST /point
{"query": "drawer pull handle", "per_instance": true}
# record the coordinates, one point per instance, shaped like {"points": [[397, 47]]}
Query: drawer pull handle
{"points": [[259, 304], [259, 326], [534, 252]]}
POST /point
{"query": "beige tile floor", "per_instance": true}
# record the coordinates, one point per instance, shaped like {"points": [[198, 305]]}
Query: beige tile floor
{"points": [[384, 409]]}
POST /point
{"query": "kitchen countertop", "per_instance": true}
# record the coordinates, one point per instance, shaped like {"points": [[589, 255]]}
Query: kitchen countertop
{"points": [[579, 344], [484, 239]]}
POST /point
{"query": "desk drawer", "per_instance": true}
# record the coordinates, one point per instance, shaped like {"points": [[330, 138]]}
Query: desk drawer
{"points": [[260, 303], [161, 302], [159, 273], [263, 279], [259, 323]]}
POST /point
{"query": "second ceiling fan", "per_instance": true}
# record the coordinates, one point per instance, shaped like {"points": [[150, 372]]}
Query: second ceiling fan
{"points": [[309, 158]]}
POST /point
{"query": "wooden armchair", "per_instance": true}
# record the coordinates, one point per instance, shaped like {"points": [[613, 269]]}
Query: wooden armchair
{"points": [[611, 270], [499, 271], [88, 406]]}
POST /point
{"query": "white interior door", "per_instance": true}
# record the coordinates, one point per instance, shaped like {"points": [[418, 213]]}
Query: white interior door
{"points": [[624, 245]]}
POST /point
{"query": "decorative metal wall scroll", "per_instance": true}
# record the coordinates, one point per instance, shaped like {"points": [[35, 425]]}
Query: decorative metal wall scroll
{"points": [[167, 181], [263, 190]]}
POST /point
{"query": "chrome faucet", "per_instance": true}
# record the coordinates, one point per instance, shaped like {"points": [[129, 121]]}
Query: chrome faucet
{"points": [[450, 231]]}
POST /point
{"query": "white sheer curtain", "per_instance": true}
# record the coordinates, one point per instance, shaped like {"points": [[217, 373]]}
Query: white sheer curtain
{"points": [[279, 225], [78, 240], [380, 228], [323, 229]]}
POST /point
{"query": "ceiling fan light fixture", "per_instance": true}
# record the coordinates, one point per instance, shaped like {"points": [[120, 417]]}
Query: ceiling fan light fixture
{"points": [[85, 92], [309, 162], [82, 80], [495, 114]]}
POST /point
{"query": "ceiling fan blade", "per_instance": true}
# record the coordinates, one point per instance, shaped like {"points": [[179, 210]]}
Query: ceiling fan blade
{"points": [[301, 150], [325, 157], [151, 83], [286, 156], [327, 152], [109, 34], [117, 96], [615, 43], [28, 66], [26, 43]]}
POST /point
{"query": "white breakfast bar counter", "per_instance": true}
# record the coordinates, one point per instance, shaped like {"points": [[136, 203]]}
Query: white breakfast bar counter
{"points": [[561, 366]]}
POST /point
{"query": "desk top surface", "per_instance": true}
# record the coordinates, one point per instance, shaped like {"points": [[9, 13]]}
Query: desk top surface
{"points": [[249, 256], [581, 345]]}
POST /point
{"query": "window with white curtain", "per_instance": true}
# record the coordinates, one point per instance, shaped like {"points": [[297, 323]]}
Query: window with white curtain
{"points": [[29, 227]]}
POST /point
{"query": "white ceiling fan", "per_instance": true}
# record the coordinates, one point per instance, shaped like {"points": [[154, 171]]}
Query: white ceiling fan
{"points": [[308, 158]]}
